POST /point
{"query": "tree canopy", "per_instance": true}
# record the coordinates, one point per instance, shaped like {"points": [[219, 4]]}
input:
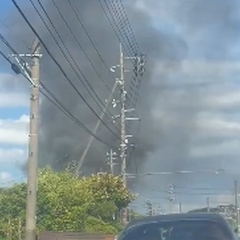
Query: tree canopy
{"points": [[66, 203]]}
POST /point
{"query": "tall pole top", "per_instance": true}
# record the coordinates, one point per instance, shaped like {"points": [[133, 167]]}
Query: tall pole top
{"points": [[121, 67], [120, 48], [36, 47]]}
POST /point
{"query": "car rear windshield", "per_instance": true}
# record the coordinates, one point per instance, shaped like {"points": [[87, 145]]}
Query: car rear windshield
{"points": [[177, 230]]}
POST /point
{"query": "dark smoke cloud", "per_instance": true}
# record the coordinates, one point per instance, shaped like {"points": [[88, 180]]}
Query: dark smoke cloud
{"points": [[210, 30], [163, 143], [212, 24]]}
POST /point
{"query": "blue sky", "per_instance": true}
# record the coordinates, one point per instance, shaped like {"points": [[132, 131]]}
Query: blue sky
{"points": [[13, 117], [5, 6], [198, 106]]}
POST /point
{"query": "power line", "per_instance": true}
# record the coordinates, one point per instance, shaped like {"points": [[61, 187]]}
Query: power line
{"points": [[128, 22], [5, 57], [122, 37], [198, 194], [124, 24], [57, 63], [201, 188], [78, 43], [9, 28], [64, 110], [57, 103], [77, 15], [112, 25], [72, 58], [125, 28], [12, 181]]}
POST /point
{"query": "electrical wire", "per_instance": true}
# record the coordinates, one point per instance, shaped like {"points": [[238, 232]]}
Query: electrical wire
{"points": [[57, 63], [78, 42], [129, 24], [8, 27], [136, 82], [116, 28], [5, 57], [201, 188], [57, 103], [64, 110], [124, 26], [72, 58], [81, 47], [77, 15], [134, 86], [12, 181]]}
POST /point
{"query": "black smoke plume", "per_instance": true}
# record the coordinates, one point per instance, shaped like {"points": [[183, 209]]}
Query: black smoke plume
{"points": [[61, 140]]}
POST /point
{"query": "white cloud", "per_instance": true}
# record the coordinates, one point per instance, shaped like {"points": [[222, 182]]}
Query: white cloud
{"points": [[12, 156], [14, 131], [225, 129], [209, 124], [24, 119], [208, 86], [13, 99], [5, 177], [199, 67], [226, 99], [12, 93], [8, 178], [230, 148], [9, 81]]}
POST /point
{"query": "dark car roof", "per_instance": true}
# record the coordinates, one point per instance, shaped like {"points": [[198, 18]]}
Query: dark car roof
{"points": [[179, 217]]}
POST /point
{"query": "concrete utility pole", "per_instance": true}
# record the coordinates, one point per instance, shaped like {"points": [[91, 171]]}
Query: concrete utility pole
{"points": [[123, 119], [33, 146], [236, 203], [123, 145], [111, 157], [32, 75]]}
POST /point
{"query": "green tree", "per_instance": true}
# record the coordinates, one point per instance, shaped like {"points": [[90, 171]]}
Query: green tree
{"points": [[67, 203], [12, 208], [107, 187], [94, 225]]}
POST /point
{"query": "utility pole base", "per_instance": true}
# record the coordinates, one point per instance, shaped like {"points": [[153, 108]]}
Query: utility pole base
{"points": [[31, 235], [124, 217]]}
